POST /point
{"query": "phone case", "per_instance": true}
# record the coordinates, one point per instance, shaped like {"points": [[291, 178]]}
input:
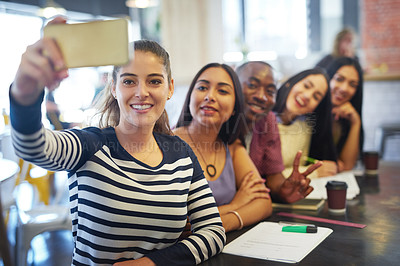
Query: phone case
{"points": [[96, 43]]}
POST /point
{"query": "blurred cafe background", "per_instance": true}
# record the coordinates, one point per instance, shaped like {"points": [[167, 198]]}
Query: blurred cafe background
{"points": [[291, 35]]}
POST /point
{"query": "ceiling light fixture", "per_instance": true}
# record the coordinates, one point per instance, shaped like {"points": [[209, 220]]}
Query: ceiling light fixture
{"points": [[51, 9], [141, 3]]}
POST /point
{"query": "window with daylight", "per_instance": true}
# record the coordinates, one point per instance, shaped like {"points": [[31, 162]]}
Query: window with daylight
{"points": [[21, 32], [265, 29]]}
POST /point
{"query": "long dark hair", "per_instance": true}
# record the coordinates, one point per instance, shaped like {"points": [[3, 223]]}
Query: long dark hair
{"points": [[232, 129], [356, 100], [322, 146], [107, 106]]}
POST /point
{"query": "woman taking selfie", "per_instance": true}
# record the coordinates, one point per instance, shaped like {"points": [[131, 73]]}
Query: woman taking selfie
{"points": [[132, 184]]}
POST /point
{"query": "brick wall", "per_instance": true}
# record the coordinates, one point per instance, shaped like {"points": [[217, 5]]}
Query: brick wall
{"points": [[380, 35], [380, 40]]}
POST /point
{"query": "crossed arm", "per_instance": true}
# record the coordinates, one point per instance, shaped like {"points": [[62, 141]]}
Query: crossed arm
{"points": [[252, 200]]}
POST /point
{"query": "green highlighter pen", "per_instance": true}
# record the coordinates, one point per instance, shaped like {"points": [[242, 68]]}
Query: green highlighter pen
{"points": [[300, 229], [311, 160]]}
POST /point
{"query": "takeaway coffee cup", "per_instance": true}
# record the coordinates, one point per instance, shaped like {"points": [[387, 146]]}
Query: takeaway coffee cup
{"points": [[336, 191], [371, 160]]}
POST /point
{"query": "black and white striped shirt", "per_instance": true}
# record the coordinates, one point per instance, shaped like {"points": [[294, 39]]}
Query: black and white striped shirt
{"points": [[122, 208]]}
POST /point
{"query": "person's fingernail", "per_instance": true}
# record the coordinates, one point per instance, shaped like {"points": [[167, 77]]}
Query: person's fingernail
{"points": [[45, 53], [63, 74]]}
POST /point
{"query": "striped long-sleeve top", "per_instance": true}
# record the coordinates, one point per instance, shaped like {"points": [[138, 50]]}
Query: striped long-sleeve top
{"points": [[122, 208]]}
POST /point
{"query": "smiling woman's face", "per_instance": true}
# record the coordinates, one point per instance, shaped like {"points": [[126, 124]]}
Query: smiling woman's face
{"points": [[306, 94], [142, 89], [213, 98], [344, 85]]}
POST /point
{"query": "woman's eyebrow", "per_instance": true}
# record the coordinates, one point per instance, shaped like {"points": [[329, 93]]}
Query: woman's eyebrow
{"points": [[156, 75], [224, 84], [203, 80], [134, 75], [127, 74]]}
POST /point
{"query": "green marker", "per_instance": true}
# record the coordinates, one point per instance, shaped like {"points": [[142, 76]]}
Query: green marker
{"points": [[300, 229]]}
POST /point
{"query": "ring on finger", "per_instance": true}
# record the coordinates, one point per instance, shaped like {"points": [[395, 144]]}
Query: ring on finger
{"points": [[45, 53]]}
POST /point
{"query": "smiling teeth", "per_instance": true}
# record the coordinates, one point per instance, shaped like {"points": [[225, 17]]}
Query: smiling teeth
{"points": [[140, 106], [299, 100], [256, 106]]}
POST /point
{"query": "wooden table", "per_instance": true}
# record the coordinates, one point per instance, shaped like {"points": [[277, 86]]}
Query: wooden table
{"points": [[8, 169], [377, 206]]}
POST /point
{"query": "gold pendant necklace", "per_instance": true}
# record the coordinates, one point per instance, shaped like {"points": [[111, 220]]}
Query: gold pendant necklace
{"points": [[210, 168]]}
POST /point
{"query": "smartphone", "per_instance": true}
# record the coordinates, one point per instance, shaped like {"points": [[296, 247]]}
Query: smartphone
{"points": [[95, 43]]}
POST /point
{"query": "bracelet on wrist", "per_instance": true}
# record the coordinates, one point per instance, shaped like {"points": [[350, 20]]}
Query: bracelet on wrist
{"points": [[239, 218]]}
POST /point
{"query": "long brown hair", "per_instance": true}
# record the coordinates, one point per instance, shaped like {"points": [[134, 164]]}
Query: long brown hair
{"points": [[107, 108], [338, 39], [356, 100], [235, 127]]}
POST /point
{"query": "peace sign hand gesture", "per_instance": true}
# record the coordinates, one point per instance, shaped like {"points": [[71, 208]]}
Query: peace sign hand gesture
{"points": [[297, 185]]}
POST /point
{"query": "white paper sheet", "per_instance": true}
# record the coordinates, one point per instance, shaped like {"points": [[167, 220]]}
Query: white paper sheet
{"points": [[319, 191], [267, 241]]}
